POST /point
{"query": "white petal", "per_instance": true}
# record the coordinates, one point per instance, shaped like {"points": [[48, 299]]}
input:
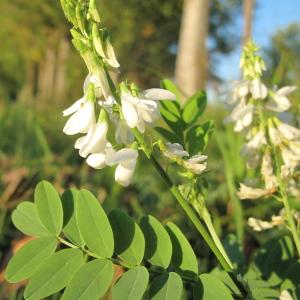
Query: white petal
{"points": [[197, 158], [81, 121], [123, 134], [124, 172], [130, 114], [158, 94], [288, 131], [97, 140], [74, 107], [79, 142], [258, 90], [96, 161], [124, 155], [148, 110], [284, 91]]}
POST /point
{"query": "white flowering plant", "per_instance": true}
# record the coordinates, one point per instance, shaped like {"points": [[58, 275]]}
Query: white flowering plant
{"points": [[80, 252], [272, 144]]}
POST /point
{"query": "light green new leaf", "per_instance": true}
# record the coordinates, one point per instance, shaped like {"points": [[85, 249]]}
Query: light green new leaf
{"points": [[194, 108], [93, 225], [183, 258], [210, 287], [54, 274], [49, 207], [70, 227], [129, 239], [132, 285], [26, 219], [91, 281], [158, 243], [26, 261], [167, 286]]}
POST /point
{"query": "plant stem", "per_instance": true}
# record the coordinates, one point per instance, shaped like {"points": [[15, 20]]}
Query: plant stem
{"points": [[289, 215], [183, 203], [238, 209]]}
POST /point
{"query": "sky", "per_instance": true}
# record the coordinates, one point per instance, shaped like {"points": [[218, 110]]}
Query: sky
{"points": [[269, 17]]}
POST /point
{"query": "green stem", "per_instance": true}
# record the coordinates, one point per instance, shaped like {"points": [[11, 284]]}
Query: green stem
{"points": [[289, 214], [238, 209], [183, 203]]}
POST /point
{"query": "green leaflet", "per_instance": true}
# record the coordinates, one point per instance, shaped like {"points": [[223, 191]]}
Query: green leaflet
{"points": [[129, 239], [132, 285], [194, 108], [70, 227], [91, 281], [54, 274], [158, 249], [167, 286], [49, 207], [26, 219], [93, 225], [26, 261], [183, 258], [210, 287]]}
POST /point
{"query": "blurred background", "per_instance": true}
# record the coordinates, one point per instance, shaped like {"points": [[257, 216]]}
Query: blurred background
{"points": [[196, 43]]}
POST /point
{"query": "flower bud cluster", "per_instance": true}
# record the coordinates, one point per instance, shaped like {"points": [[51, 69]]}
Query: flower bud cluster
{"points": [[175, 152]]}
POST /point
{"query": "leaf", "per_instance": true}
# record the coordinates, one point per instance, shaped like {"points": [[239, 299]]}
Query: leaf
{"points": [[49, 207], [128, 237], [183, 258], [167, 134], [132, 285], [91, 281], [94, 225], [158, 249], [209, 287], [26, 261], [291, 276], [70, 227], [54, 274], [197, 137], [234, 250], [167, 286], [26, 219], [194, 108], [170, 86]]}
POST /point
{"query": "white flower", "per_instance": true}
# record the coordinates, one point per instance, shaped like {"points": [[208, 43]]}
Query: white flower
{"points": [[260, 225], [108, 104], [176, 150], [83, 117], [123, 134], [274, 135], [247, 192], [95, 141], [288, 131], [242, 115], [196, 164], [280, 101], [258, 89], [142, 110], [126, 160], [94, 79], [256, 142], [240, 90], [267, 171]]}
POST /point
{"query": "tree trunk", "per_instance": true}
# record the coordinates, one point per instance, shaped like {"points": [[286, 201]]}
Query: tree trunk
{"points": [[248, 11], [192, 59]]}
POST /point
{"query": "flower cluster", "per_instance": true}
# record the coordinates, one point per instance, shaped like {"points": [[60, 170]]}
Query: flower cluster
{"points": [[271, 143], [175, 152], [134, 110]]}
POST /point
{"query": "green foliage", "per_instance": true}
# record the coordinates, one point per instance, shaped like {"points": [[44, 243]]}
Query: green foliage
{"points": [[91, 281], [132, 285], [183, 121], [85, 270], [166, 287]]}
